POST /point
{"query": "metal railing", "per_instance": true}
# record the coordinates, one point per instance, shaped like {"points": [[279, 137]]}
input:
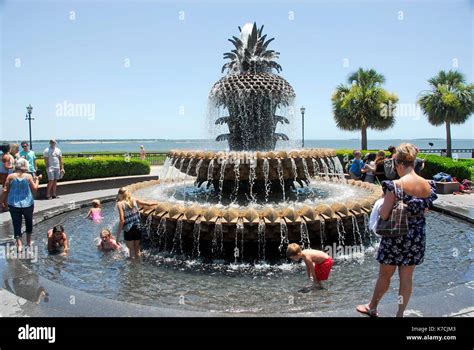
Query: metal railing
{"points": [[154, 158], [158, 158], [441, 151]]}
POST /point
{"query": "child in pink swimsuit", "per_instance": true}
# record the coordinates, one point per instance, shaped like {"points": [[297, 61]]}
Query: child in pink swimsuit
{"points": [[94, 213]]}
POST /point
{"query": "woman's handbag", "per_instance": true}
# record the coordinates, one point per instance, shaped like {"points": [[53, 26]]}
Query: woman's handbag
{"points": [[397, 225]]}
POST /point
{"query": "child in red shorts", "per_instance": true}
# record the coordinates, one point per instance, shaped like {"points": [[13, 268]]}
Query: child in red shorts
{"points": [[318, 263]]}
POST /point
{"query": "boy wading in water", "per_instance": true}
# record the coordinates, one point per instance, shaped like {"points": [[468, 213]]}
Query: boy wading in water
{"points": [[318, 263]]}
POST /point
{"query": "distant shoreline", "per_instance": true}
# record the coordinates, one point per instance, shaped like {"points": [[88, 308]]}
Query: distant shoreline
{"points": [[206, 140]]}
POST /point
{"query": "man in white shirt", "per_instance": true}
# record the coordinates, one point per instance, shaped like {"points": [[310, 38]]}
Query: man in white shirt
{"points": [[54, 163]]}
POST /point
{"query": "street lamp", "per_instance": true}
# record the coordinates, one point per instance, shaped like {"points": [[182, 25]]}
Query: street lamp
{"points": [[302, 109], [29, 110]]}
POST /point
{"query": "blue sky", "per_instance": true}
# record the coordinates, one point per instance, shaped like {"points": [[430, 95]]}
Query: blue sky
{"points": [[146, 71]]}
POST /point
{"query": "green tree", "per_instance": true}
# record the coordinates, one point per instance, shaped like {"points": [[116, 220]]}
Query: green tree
{"points": [[364, 104], [449, 101]]}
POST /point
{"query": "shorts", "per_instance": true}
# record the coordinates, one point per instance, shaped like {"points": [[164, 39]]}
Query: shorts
{"points": [[53, 174], [3, 178], [322, 270], [134, 234]]}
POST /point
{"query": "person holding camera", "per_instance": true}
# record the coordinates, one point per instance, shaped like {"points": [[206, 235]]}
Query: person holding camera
{"points": [[18, 191]]}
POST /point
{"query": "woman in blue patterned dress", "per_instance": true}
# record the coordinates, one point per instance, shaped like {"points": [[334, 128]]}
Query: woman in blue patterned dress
{"points": [[404, 252]]}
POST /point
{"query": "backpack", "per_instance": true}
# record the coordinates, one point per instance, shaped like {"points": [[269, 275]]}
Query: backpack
{"points": [[389, 169], [348, 166]]}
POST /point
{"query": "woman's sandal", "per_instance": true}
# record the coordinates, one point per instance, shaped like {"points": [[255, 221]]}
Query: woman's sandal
{"points": [[364, 309]]}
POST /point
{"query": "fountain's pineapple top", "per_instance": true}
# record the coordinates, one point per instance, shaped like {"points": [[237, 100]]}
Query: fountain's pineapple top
{"points": [[251, 93]]}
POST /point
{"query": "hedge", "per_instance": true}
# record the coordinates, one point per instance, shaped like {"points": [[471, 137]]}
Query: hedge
{"points": [[98, 167], [460, 169]]}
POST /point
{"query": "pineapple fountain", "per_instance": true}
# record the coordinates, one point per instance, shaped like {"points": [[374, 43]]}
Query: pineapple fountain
{"points": [[250, 202]]}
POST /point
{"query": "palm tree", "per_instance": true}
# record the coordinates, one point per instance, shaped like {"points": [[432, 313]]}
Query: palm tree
{"points": [[450, 101], [364, 104]]}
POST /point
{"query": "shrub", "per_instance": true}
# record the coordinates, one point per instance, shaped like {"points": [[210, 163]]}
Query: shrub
{"points": [[85, 168], [459, 169]]}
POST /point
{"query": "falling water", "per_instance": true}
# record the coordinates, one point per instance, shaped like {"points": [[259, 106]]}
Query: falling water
{"points": [[294, 170], [161, 232], [261, 240], [165, 168], [355, 227], [188, 168], [239, 228], [198, 168], [186, 175], [341, 232], [322, 227], [316, 169], [181, 164], [148, 221], [196, 237], [305, 168], [218, 239], [173, 168], [266, 171], [330, 163], [221, 179], [307, 176], [339, 168], [210, 171], [177, 242], [252, 177], [283, 236], [282, 181], [325, 167], [305, 243], [367, 231], [235, 192]]}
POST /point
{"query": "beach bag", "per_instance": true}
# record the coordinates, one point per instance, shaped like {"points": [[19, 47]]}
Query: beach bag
{"points": [[442, 177], [397, 225], [348, 166], [389, 169]]}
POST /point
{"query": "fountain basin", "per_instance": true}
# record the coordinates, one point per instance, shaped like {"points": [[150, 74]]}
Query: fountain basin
{"points": [[191, 226], [273, 165]]}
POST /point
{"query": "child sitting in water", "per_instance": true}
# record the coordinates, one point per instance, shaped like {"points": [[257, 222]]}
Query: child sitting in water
{"points": [[318, 263], [57, 241], [107, 241], [94, 213]]}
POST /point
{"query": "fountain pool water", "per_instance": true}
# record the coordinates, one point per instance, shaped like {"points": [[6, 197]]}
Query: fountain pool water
{"points": [[161, 279]]}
